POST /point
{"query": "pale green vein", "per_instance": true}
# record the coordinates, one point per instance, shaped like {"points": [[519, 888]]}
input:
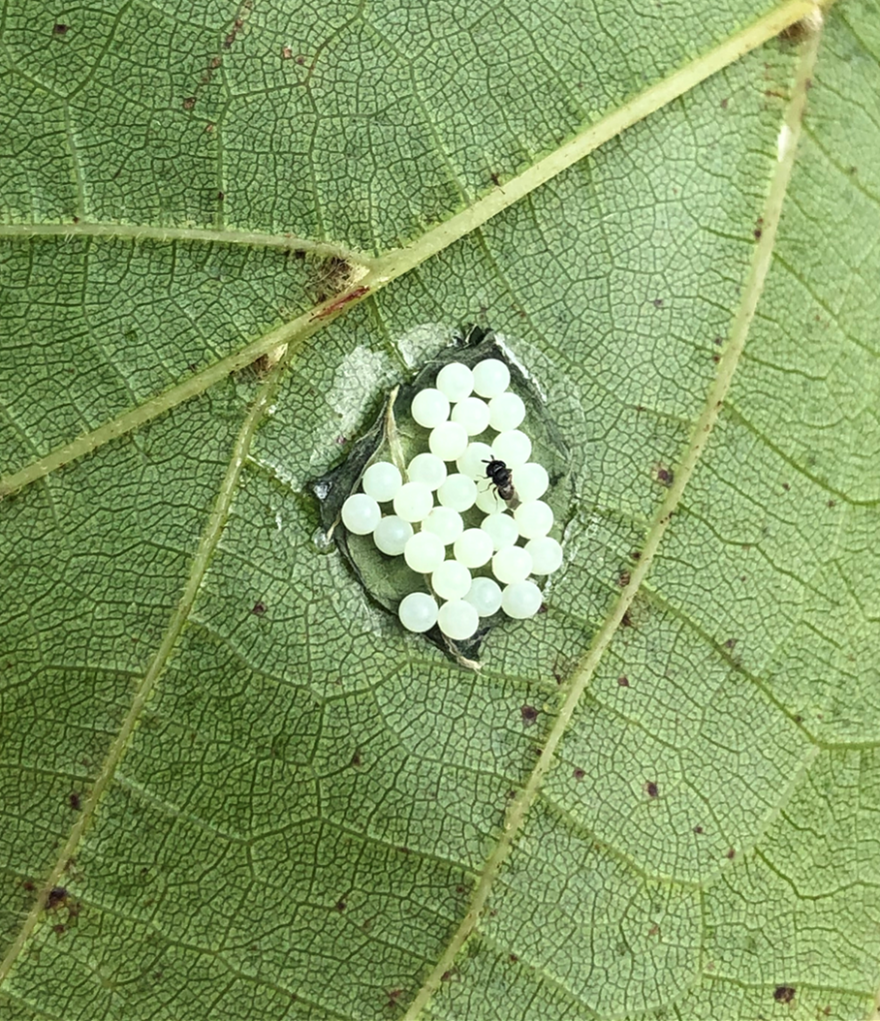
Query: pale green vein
{"points": [[702, 430], [204, 235], [209, 540], [372, 274]]}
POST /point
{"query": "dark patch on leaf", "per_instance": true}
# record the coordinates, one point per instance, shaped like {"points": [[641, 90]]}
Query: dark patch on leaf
{"points": [[73, 800], [784, 994], [259, 608], [623, 681], [59, 29], [529, 714], [57, 897], [664, 475], [652, 789], [578, 773]]}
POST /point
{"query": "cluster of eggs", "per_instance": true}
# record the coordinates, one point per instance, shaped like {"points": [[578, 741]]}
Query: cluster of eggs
{"points": [[463, 404]]}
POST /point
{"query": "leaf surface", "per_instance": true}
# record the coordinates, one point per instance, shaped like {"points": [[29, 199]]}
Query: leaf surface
{"points": [[234, 788]]}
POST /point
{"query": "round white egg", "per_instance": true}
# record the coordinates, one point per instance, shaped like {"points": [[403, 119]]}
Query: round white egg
{"points": [[458, 492], [473, 547], [491, 377], [451, 580], [360, 514], [456, 381], [418, 611], [485, 595], [392, 534], [522, 599], [502, 528], [506, 411], [424, 552], [430, 407], [445, 523], [546, 554], [427, 468], [473, 414], [381, 481], [513, 448], [533, 519], [472, 461], [458, 619], [532, 481], [448, 441], [511, 564], [413, 501]]}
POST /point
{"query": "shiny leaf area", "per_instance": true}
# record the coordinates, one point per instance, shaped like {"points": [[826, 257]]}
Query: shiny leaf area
{"points": [[233, 788]]}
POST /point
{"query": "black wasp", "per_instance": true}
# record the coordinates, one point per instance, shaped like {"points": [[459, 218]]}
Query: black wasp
{"points": [[502, 478]]}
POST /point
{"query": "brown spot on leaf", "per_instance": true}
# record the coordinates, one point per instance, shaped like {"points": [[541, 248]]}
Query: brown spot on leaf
{"points": [[259, 608], [653, 791], [578, 774], [57, 897], [73, 800], [663, 474], [189, 102], [60, 29], [529, 714], [784, 994]]}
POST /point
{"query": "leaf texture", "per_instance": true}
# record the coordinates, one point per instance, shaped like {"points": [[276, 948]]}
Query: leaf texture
{"points": [[234, 788]]}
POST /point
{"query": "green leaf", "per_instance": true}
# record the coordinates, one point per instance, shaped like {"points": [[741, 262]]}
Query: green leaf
{"points": [[233, 787]]}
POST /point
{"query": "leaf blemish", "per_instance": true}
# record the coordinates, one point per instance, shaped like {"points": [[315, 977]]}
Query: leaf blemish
{"points": [[784, 994], [652, 790], [529, 714], [57, 897]]}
